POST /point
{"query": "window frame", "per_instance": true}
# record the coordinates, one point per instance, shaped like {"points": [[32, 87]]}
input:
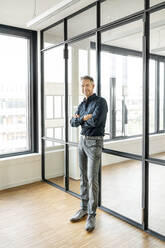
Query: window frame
{"points": [[33, 87]]}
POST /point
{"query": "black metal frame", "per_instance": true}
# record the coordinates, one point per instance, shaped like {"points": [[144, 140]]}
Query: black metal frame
{"points": [[33, 90], [145, 15]]}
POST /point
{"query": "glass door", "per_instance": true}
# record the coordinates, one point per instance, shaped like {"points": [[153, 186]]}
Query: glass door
{"points": [[54, 72]]}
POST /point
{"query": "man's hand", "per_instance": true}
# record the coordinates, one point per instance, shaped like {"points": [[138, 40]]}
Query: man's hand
{"points": [[87, 117], [76, 116]]}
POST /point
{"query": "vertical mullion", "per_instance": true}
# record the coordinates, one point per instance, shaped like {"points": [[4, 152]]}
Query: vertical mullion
{"points": [[34, 92], [66, 156], [98, 72], [42, 111], [98, 49], [145, 153]]}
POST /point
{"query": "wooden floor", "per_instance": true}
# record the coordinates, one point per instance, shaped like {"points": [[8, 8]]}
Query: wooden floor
{"points": [[37, 216], [122, 191]]}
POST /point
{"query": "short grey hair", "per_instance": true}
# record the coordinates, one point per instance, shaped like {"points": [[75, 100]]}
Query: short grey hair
{"points": [[86, 77]]}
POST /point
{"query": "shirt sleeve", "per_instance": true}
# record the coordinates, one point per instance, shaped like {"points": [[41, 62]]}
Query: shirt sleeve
{"points": [[76, 121], [99, 114]]}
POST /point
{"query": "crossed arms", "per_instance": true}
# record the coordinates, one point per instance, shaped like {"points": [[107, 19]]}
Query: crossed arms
{"points": [[91, 120]]}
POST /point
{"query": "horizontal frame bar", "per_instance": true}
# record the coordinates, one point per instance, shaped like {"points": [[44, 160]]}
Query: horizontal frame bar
{"points": [[121, 217], [155, 234], [54, 184], [122, 154], [156, 161]]}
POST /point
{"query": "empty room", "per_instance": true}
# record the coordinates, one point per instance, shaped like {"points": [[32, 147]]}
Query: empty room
{"points": [[82, 123]]}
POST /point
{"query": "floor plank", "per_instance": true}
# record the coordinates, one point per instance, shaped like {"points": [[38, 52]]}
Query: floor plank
{"points": [[37, 215]]}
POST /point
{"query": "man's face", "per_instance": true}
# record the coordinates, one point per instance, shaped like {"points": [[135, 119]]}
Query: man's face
{"points": [[87, 87]]}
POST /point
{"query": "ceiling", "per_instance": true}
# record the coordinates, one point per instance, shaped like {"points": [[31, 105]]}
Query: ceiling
{"points": [[19, 12]]}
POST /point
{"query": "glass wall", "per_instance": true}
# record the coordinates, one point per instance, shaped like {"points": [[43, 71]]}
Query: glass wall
{"points": [[54, 162], [121, 186], [110, 10], [154, 2], [86, 20], [157, 198], [74, 171], [162, 96], [54, 35], [121, 85], [54, 93], [157, 86], [54, 114]]}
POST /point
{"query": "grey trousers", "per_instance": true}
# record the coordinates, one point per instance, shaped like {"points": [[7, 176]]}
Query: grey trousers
{"points": [[89, 161]]}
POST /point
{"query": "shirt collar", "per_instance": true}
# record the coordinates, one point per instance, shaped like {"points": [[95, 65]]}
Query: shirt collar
{"points": [[89, 98]]}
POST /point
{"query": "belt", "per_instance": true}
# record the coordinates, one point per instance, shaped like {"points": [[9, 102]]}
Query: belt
{"points": [[92, 137]]}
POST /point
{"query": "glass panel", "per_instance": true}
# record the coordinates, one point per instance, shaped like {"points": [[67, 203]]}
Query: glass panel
{"points": [[58, 133], [157, 198], [157, 86], [49, 107], [49, 132], [14, 94], [53, 35], [54, 162], [162, 95], [121, 186], [121, 86], [154, 2], [152, 94], [86, 20], [110, 10], [157, 43], [74, 171], [54, 89], [82, 62], [58, 106]]}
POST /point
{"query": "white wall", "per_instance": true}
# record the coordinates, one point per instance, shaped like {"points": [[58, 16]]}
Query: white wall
{"points": [[26, 169], [19, 170]]}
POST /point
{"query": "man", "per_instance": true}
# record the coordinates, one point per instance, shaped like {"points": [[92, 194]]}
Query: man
{"points": [[91, 115]]}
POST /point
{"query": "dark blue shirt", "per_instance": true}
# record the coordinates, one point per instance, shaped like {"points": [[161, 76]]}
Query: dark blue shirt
{"points": [[97, 106]]}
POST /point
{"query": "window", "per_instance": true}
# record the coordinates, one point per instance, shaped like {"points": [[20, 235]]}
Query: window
{"points": [[17, 85]]}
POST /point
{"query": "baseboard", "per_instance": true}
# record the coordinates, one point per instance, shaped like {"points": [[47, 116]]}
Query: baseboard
{"points": [[12, 185], [48, 176]]}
